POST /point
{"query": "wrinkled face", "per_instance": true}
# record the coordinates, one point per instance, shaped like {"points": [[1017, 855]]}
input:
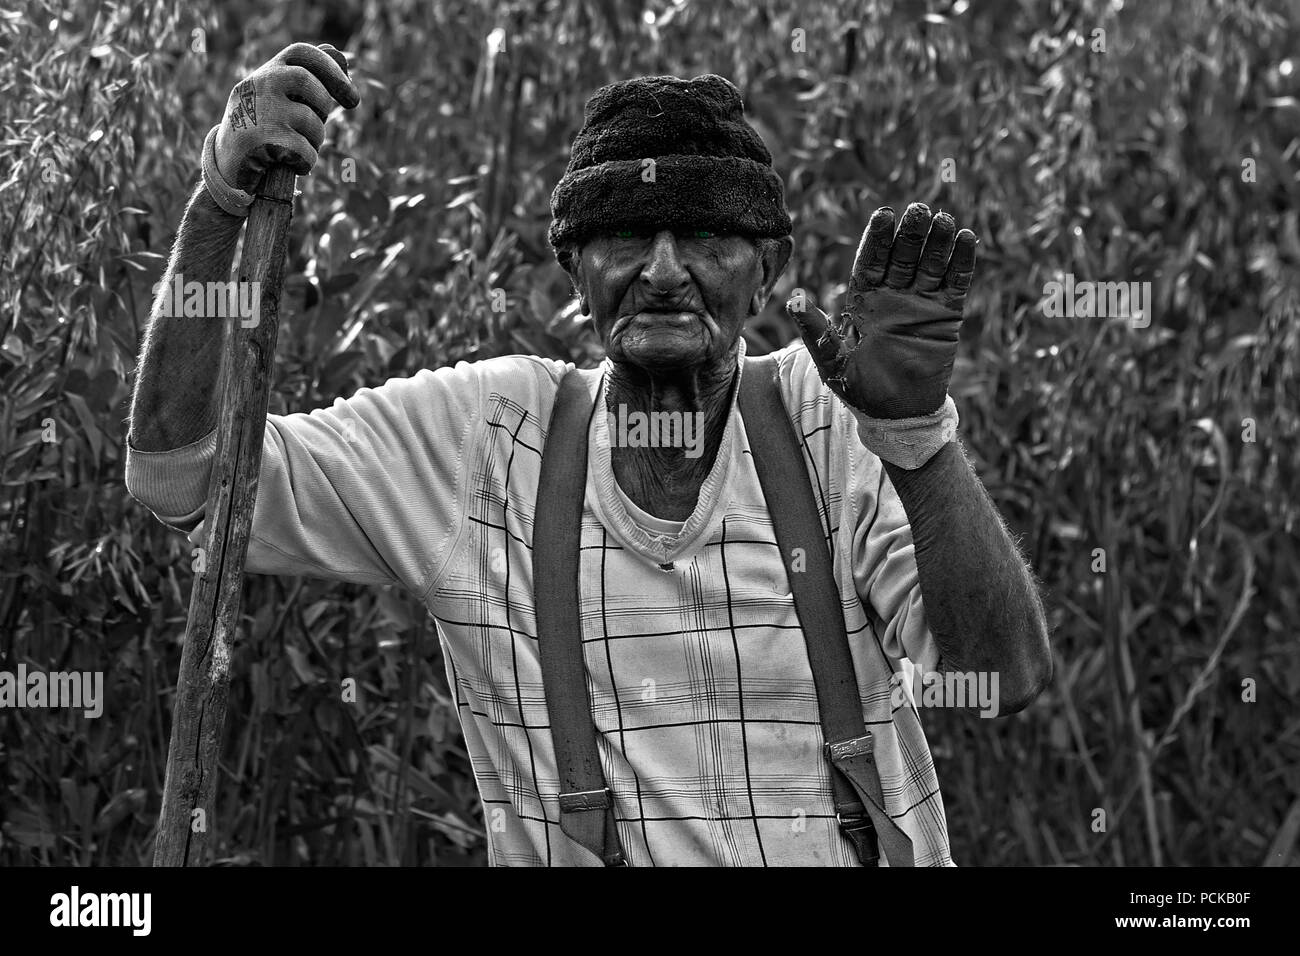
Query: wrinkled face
{"points": [[664, 299]]}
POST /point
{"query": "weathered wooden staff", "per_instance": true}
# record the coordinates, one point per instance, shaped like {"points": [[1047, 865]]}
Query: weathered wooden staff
{"points": [[199, 714]]}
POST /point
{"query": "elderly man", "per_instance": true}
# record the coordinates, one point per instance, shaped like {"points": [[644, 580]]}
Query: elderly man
{"points": [[650, 633]]}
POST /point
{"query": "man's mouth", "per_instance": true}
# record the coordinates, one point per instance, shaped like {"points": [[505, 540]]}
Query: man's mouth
{"points": [[667, 316]]}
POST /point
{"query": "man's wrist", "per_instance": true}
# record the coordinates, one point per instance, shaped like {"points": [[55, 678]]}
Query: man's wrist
{"points": [[908, 443], [232, 200], [203, 213]]}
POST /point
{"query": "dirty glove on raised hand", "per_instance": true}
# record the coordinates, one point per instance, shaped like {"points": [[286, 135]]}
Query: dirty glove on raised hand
{"points": [[276, 115], [890, 354]]}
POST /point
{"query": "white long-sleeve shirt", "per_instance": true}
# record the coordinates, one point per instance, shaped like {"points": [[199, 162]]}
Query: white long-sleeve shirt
{"points": [[699, 680]]}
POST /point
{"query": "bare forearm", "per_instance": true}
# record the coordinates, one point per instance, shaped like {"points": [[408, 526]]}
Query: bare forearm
{"points": [[981, 602], [176, 388]]}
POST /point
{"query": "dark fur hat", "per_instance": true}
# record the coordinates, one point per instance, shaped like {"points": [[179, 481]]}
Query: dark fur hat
{"points": [[711, 169]]}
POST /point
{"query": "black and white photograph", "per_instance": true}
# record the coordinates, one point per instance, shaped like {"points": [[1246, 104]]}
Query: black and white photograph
{"points": [[651, 433]]}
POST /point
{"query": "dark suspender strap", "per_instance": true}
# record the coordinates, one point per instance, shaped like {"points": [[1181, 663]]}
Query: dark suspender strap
{"points": [[779, 461], [586, 805]]}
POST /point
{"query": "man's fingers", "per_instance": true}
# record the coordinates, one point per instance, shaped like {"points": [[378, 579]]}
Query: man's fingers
{"points": [[935, 255], [324, 65], [961, 268], [817, 331], [287, 149], [304, 120], [334, 54], [907, 246], [873, 254], [301, 86]]}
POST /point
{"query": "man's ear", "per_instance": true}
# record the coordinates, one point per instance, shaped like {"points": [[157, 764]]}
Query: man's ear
{"points": [[774, 256], [573, 265]]}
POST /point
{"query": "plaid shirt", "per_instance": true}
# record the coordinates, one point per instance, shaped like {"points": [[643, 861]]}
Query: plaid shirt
{"points": [[696, 668]]}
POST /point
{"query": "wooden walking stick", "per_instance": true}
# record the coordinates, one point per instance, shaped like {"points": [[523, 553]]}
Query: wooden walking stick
{"points": [[199, 714]]}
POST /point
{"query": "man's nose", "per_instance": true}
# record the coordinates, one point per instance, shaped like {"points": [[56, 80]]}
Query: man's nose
{"points": [[664, 271]]}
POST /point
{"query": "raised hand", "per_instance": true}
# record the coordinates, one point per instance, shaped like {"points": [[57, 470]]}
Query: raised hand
{"points": [[891, 351]]}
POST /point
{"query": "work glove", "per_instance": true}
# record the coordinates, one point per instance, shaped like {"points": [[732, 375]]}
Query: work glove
{"points": [[890, 354], [275, 116]]}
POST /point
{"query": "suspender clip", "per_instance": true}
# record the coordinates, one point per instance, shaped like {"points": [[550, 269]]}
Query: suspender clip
{"points": [[859, 830], [586, 800]]}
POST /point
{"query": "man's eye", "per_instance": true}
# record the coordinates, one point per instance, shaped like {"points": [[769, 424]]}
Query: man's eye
{"points": [[703, 234], [624, 234]]}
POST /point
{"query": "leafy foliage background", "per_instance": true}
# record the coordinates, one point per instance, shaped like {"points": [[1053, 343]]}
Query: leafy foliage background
{"points": [[1118, 165]]}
